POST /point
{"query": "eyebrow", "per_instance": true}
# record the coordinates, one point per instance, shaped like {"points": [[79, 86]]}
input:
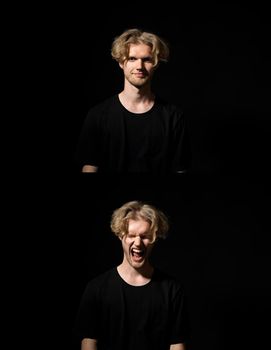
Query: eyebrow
{"points": [[148, 233], [142, 58]]}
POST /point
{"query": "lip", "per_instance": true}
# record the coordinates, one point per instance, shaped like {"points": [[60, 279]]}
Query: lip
{"points": [[139, 249], [138, 258], [139, 75]]}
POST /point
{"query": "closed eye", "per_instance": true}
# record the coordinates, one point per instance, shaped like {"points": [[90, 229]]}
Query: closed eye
{"points": [[144, 59]]}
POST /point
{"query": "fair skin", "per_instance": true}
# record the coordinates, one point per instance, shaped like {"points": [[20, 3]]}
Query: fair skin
{"points": [[136, 96], [89, 169], [138, 71], [137, 245], [135, 268], [91, 344]]}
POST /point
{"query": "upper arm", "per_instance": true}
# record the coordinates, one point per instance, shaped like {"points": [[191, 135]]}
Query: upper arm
{"points": [[180, 145], [89, 169], [88, 144], [180, 346], [89, 344]]}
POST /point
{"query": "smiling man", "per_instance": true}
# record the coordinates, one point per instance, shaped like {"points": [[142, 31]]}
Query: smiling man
{"points": [[135, 131], [134, 305]]}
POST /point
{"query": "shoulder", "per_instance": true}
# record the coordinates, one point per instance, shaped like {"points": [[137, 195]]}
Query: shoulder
{"points": [[103, 105], [172, 283], [99, 113], [101, 109], [169, 109], [102, 280], [167, 105]]}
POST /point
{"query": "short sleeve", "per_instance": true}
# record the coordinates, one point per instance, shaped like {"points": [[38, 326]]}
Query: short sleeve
{"points": [[87, 318], [180, 144], [180, 320], [88, 146]]}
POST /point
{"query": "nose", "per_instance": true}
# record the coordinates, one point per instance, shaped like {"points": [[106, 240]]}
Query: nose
{"points": [[140, 64], [137, 241]]}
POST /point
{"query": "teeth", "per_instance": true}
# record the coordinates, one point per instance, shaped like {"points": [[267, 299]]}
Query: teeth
{"points": [[136, 250]]}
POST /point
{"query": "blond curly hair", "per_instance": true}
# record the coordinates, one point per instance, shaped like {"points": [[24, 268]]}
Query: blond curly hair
{"points": [[136, 210], [121, 44]]}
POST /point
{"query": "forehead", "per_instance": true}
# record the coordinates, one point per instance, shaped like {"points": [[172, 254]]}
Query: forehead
{"points": [[139, 50], [138, 226]]}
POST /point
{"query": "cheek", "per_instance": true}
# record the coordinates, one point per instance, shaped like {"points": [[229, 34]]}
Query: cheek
{"points": [[126, 67], [126, 243], [148, 245], [150, 68]]}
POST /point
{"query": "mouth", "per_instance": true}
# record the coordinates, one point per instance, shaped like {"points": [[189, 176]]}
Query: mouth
{"points": [[138, 254], [139, 75]]}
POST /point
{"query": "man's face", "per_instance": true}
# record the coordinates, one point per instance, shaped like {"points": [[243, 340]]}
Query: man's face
{"points": [[137, 244], [139, 67]]}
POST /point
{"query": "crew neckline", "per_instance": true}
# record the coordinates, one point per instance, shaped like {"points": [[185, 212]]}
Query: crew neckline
{"points": [[132, 285], [133, 113]]}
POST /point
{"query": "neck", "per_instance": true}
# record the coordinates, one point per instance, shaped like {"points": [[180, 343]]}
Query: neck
{"points": [[135, 276], [142, 93], [136, 102]]}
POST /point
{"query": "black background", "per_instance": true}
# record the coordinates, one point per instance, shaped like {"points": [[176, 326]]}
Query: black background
{"points": [[218, 245]]}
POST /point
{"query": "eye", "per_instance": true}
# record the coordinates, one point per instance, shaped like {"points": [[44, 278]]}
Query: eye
{"points": [[147, 59], [146, 237]]}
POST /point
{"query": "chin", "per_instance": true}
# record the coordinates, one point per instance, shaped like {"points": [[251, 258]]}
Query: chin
{"points": [[137, 265], [139, 84]]}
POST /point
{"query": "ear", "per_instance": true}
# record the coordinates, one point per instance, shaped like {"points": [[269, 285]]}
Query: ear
{"points": [[121, 65]]}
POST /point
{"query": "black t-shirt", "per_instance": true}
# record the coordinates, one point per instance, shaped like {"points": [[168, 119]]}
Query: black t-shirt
{"points": [[111, 139], [125, 317], [140, 147]]}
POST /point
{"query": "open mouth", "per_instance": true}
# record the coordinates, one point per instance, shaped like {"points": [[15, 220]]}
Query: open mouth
{"points": [[137, 254]]}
